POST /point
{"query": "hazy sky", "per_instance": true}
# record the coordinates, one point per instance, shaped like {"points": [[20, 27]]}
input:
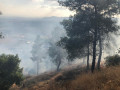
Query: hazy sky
{"points": [[33, 8]]}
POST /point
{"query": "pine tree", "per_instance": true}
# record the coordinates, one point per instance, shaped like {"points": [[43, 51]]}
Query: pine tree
{"points": [[94, 17]]}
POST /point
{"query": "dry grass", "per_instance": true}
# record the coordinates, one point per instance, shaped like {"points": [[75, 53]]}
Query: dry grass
{"points": [[106, 79], [76, 79]]}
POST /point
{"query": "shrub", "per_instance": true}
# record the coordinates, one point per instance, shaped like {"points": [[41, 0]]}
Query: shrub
{"points": [[10, 72], [112, 60]]}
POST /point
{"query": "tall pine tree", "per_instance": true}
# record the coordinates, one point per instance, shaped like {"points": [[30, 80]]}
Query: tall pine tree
{"points": [[93, 19]]}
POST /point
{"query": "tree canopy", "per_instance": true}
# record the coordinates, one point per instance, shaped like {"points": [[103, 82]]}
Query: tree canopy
{"points": [[10, 72], [92, 23]]}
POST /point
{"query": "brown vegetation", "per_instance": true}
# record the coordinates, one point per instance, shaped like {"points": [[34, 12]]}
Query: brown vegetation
{"points": [[76, 79], [106, 79]]}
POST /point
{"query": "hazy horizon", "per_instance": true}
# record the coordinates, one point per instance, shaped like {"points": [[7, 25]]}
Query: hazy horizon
{"points": [[20, 34]]}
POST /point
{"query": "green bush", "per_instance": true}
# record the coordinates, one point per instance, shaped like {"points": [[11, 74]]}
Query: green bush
{"points": [[112, 60], [10, 72]]}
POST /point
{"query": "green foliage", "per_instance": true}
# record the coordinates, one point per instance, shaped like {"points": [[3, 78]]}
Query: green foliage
{"points": [[93, 19], [82, 28], [10, 72], [78, 36], [105, 7], [113, 60]]}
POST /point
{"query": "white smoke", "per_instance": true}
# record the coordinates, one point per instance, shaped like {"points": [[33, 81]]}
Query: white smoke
{"points": [[20, 34]]}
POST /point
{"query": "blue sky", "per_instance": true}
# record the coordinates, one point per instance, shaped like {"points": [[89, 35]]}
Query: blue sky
{"points": [[33, 8]]}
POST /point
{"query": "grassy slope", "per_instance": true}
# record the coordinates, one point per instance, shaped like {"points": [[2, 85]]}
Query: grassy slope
{"points": [[76, 79]]}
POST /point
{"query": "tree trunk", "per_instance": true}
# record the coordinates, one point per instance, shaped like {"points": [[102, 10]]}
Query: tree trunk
{"points": [[58, 66], [100, 52], [94, 52], [94, 42], [88, 57]]}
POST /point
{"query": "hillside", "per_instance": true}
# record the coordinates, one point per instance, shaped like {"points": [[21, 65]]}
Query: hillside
{"points": [[74, 79]]}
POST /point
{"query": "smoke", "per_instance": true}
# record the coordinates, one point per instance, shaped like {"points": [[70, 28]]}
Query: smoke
{"points": [[20, 34]]}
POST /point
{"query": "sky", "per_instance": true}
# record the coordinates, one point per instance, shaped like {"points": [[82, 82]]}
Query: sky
{"points": [[33, 8]]}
